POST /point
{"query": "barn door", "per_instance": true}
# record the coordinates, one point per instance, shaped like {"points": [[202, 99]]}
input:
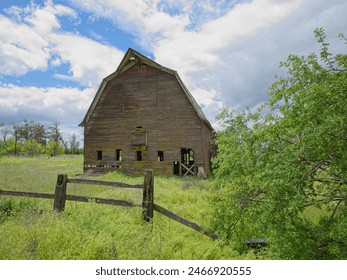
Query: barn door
{"points": [[187, 165]]}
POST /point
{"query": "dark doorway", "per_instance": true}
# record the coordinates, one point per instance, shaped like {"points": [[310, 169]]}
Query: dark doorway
{"points": [[176, 168], [139, 155], [186, 165], [98, 155]]}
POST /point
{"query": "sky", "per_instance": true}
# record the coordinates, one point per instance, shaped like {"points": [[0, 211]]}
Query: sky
{"points": [[55, 53]]}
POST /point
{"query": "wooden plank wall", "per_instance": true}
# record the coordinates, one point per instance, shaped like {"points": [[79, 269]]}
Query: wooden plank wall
{"points": [[149, 100]]}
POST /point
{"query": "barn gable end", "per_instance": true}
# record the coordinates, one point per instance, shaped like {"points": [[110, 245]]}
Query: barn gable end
{"points": [[143, 116]]}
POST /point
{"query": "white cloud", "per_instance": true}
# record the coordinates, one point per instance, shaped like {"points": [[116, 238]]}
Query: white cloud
{"points": [[21, 48], [190, 49], [89, 60], [45, 19], [250, 64], [36, 42], [67, 104]]}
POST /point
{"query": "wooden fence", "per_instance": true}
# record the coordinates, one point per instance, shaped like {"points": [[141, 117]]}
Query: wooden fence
{"points": [[148, 206]]}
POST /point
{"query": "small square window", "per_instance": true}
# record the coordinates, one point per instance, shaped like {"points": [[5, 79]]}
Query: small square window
{"points": [[118, 155], [99, 155], [160, 156], [139, 155]]}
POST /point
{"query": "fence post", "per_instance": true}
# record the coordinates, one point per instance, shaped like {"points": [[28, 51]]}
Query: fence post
{"points": [[60, 193], [148, 195]]}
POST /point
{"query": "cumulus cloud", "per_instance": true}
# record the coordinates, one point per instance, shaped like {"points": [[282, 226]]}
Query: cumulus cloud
{"points": [[45, 19], [250, 65], [134, 16], [89, 60], [32, 39], [67, 104], [21, 49]]}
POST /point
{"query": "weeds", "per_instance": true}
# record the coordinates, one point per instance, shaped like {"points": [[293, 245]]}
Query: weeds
{"points": [[31, 230]]}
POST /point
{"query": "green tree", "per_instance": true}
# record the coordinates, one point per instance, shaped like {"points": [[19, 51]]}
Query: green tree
{"points": [[74, 144], [30, 135], [55, 138], [281, 173], [32, 147], [5, 130]]}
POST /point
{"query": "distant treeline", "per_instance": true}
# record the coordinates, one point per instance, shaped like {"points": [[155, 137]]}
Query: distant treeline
{"points": [[30, 138]]}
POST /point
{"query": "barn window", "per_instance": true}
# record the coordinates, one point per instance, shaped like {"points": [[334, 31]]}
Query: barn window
{"points": [[187, 156], [160, 156], [118, 155], [139, 155], [99, 155]]}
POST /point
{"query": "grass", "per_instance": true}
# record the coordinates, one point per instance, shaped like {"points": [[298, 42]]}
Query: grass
{"points": [[31, 230]]}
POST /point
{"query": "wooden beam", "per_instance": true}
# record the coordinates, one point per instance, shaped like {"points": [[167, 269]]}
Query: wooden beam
{"points": [[148, 195], [71, 198], [60, 193], [104, 183], [101, 200], [27, 194], [188, 169], [183, 221]]}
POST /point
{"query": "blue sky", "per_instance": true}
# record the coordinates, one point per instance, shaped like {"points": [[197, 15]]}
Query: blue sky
{"points": [[55, 53]]}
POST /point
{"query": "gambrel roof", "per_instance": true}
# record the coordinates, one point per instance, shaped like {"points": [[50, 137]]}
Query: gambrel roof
{"points": [[132, 58]]}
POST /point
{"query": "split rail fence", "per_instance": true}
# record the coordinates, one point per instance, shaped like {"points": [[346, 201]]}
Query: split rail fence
{"points": [[148, 206]]}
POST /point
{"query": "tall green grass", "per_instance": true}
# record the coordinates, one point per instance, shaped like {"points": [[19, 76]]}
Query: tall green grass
{"points": [[31, 230]]}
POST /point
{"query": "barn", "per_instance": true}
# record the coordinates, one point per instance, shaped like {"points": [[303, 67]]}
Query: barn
{"points": [[144, 117]]}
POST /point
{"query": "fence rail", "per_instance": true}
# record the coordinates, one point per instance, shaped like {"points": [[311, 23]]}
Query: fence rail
{"points": [[72, 198], [27, 194], [148, 206], [104, 183], [183, 221]]}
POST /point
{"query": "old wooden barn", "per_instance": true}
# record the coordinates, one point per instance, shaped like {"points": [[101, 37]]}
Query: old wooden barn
{"points": [[144, 117]]}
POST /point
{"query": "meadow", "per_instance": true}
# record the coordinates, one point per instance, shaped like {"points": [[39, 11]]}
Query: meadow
{"points": [[30, 229]]}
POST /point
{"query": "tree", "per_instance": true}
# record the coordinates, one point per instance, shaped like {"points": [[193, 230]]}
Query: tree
{"points": [[74, 144], [5, 130], [32, 147], [30, 135], [281, 173], [54, 137]]}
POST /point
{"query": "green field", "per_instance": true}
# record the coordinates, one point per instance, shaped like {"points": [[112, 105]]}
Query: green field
{"points": [[30, 229]]}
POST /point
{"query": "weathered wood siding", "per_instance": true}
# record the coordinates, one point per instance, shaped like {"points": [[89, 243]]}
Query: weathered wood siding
{"points": [[145, 109]]}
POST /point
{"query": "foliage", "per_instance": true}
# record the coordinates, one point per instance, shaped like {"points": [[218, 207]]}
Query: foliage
{"points": [[54, 136], [10, 207], [281, 173], [30, 138]]}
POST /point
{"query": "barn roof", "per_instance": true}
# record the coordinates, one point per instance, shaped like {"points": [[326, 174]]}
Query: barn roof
{"points": [[130, 59]]}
